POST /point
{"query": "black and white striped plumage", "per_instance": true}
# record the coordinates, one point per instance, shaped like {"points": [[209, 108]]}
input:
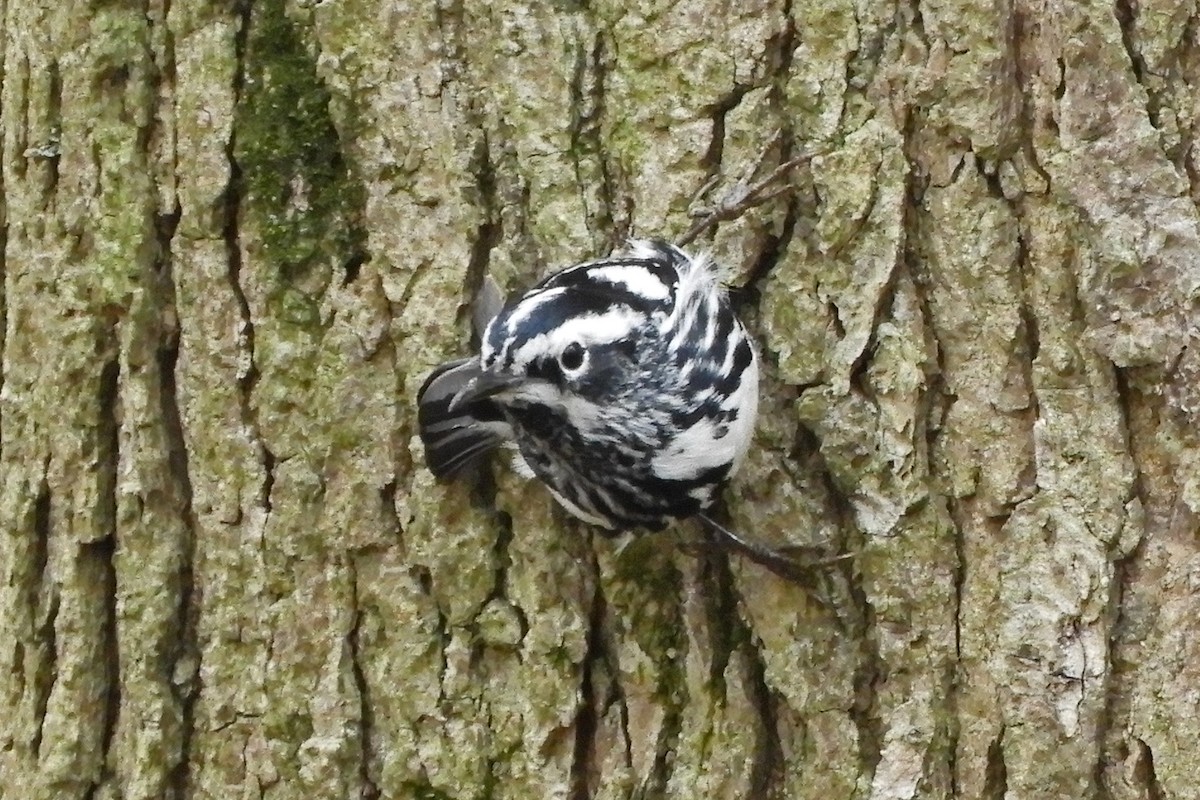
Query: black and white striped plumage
{"points": [[627, 384]]}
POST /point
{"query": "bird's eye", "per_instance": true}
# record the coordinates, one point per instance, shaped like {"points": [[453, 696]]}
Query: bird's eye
{"points": [[571, 357]]}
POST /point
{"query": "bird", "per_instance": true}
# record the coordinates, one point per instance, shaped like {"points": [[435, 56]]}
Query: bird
{"points": [[626, 384]]}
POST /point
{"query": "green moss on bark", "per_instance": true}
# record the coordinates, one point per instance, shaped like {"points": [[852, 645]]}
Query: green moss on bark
{"points": [[298, 189]]}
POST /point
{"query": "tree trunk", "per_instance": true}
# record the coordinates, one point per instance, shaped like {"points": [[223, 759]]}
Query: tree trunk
{"points": [[237, 236]]}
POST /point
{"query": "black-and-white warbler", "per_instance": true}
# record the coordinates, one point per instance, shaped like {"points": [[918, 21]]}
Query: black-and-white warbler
{"points": [[627, 385]]}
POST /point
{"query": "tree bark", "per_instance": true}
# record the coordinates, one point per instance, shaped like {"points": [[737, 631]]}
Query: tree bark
{"points": [[237, 236]]}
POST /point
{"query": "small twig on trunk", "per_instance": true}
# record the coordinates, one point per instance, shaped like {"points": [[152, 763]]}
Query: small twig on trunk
{"points": [[741, 198]]}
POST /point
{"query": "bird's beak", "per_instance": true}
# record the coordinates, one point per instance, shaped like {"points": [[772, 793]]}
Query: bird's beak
{"points": [[480, 385], [455, 384]]}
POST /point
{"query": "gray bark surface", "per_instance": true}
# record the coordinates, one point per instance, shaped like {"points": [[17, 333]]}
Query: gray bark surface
{"points": [[237, 236]]}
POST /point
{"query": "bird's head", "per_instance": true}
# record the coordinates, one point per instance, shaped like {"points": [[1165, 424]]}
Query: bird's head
{"points": [[569, 335], [591, 342], [572, 349]]}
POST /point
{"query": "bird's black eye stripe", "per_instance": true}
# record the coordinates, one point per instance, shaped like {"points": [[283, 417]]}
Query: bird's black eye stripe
{"points": [[546, 369], [572, 357]]}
